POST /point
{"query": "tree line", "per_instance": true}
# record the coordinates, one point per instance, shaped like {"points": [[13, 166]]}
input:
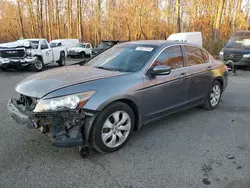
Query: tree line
{"points": [[96, 20]]}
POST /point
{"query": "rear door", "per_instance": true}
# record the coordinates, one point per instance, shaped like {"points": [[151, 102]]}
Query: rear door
{"points": [[46, 52], [198, 66], [164, 94]]}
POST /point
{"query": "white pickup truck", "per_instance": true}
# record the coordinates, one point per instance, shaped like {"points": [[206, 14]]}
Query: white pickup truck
{"points": [[35, 53], [81, 49]]}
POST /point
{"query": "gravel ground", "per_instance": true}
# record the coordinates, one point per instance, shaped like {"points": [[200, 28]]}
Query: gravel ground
{"points": [[195, 148]]}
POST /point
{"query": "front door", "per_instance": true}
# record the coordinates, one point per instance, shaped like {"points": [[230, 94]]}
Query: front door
{"points": [[163, 94], [46, 52]]}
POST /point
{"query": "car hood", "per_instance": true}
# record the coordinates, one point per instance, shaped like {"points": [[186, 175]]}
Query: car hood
{"points": [[40, 84], [76, 48], [98, 49]]}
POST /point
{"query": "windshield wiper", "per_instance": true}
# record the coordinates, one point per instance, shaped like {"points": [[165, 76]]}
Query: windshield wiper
{"points": [[105, 68]]}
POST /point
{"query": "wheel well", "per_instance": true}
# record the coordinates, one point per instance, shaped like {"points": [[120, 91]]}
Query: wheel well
{"points": [[219, 80], [39, 57], [134, 107]]}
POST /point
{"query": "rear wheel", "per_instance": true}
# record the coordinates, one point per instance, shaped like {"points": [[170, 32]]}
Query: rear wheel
{"points": [[62, 60], [213, 99], [38, 66], [112, 127]]}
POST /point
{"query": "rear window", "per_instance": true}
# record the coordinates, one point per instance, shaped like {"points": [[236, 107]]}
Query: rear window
{"points": [[205, 56], [194, 55]]}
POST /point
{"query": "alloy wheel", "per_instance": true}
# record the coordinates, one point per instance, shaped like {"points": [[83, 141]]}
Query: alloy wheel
{"points": [[116, 129], [39, 65], [215, 95]]}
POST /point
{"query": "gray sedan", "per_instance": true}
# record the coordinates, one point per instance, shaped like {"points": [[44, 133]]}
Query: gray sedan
{"points": [[99, 104]]}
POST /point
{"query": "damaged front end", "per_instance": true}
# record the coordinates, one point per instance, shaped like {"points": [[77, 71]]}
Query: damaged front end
{"points": [[17, 56], [66, 128]]}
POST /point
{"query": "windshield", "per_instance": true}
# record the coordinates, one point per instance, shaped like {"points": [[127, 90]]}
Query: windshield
{"points": [[34, 44], [53, 44], [81, 45], [105, 45], [239, 42], [126, 58]]}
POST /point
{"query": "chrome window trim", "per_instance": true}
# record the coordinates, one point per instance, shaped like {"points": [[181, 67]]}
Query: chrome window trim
{"points": [[161, 52], [181, 45]]}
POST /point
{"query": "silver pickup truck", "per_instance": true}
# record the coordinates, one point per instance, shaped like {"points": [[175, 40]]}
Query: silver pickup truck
{"points": [[34, 53]]}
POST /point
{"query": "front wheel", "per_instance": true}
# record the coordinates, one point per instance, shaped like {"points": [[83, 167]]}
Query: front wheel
{"points": [[83, 54], [62, 60], [213, 99], [112, 127], [38, 66]]}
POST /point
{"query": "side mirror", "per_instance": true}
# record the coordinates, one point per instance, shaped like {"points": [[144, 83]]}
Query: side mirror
{"points": [[161, 70]]}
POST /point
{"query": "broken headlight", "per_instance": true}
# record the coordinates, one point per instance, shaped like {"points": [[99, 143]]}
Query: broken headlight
{"points": [[28, 52], [68, 102]]}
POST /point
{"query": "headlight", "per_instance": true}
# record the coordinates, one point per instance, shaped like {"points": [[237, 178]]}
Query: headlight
{"points": [[221, 53], [28, 52], [74, 101], [246, 55]]}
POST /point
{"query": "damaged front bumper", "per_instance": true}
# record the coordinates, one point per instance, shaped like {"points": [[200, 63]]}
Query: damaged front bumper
{"points": [[17, 62], [65, 128]]}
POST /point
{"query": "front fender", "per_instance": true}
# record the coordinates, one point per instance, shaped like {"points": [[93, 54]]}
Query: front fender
{"points": [[116, 98], [36, 52]]}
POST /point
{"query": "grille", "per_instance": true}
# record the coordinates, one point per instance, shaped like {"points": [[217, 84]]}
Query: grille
{"points": [[233, 57], [12, 53]]}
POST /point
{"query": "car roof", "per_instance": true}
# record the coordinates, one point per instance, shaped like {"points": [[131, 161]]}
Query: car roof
{"points": [[56, 40], [159, 43], [35, 39]]}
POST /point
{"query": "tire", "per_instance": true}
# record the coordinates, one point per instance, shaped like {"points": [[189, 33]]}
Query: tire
{"points": [[213, 94], [107, 139], [62, 60], [39, 65], [83, 54]]}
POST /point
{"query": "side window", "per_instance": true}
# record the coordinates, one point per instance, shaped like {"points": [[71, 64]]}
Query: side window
{"points": [[59, 44], [171, 56], [205, 56], [44, 45], [194, 55], [88, 46]]}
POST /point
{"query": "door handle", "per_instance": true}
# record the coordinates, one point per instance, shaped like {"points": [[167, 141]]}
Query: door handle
{"points": [[209, 67], [182, 74]]}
